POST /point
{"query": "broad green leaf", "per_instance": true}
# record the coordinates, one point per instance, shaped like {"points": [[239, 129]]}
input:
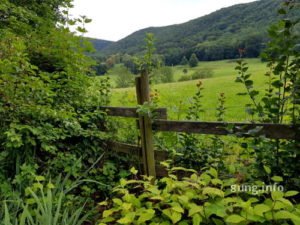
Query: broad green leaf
{"points": [[235, 219], [183, 169], [39, 178], [197, 219], [107, 213], [277, 179], [291, 193], [146, 215], [133, 171], [276, 195], [128, 218], [117, 201], [213, 192], [178, 208], [50, 186], [217, 208], [286, 202], [279, 205], [213, 172], [126, 206], [216, 181], [267, 169], [173, 215], [287, 215], [104, 203], [195, 209], [261, 209]]}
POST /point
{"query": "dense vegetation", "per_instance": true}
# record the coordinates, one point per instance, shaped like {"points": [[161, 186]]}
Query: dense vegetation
{"points": [[213, 37], [55, 165], [49, 112]]}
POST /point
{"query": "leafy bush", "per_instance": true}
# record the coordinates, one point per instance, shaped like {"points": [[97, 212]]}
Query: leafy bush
{"points": [[124, 77], [196, 199], [50, 120], [193, 62], [185, 78], [162, 75], [202, 73], [198, 74], [279, 102]]}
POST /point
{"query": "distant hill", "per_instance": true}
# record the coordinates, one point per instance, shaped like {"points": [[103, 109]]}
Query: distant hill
{"points": [[216, 36], [99, 44]]}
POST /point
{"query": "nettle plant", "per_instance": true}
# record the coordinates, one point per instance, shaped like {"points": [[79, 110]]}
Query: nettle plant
{"points": [[198, 151], [280, 102], [196, 199]]}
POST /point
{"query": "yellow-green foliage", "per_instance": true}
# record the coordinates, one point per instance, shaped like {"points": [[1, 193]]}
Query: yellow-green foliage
{"points": [[197, 199]]}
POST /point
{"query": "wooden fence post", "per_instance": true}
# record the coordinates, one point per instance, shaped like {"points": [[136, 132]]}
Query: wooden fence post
{"points": [[143, 95]]}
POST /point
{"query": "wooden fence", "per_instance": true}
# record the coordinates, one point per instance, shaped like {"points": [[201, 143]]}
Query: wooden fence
{"points": [[146, 126]]}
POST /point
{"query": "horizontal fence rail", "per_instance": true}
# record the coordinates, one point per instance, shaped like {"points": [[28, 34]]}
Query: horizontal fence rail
{"points": [[276, 131], [134, 150], [131, 112]]}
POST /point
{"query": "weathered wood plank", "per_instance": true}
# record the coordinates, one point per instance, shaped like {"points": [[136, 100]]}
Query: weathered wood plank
{"points": [[277, 131], [131, 112], [161, 171], [123, 147], [134, 149]]}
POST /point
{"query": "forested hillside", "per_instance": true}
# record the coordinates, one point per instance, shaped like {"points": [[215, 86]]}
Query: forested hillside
{"points": [[216, 36], [99, 44]]}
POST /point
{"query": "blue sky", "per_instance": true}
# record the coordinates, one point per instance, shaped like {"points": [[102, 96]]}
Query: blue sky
{"points": [[116, 19]]}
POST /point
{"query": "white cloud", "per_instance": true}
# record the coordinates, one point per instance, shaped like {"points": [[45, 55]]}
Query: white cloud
{"points": [[115, 19]]}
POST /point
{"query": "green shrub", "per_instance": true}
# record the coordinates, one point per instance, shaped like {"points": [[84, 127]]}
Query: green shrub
{"points": [[124, 77], [185, 78], [196, 199], [198, 74], [162, 75], [202, 74], [193, 62]]}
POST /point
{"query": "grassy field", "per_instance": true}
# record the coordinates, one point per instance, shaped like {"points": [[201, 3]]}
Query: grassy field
{"points": [[176, 96]]}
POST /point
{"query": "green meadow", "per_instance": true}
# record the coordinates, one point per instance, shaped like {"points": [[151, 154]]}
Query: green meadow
{"points": [[176, 97]]}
